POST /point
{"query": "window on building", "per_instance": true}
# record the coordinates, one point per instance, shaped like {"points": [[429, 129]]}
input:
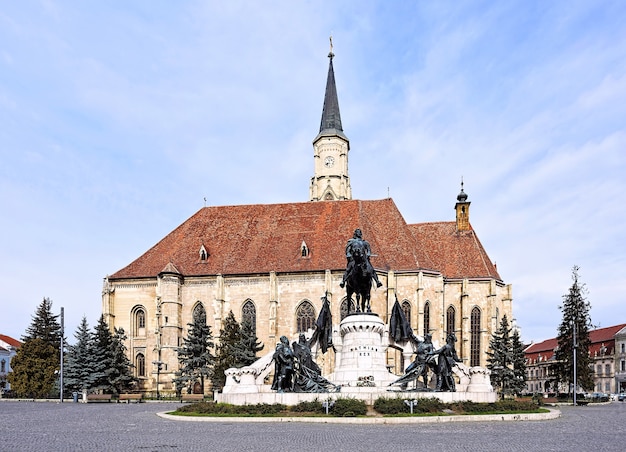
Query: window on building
{"points": [[305, 316], [450, 319], [607, 370], [198, 310], [623, 348], [304, 249], [406, 308], [3, 364], [599, 369], [607, 386], [475, 337], [623, 365], [139, 323], [343, 309], [427, 317], [248, 314], [204, 255], [140, 364]]}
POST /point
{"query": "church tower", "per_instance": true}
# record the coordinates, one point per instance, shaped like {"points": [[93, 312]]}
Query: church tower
{"points": [[330, 181], [462, 211]]}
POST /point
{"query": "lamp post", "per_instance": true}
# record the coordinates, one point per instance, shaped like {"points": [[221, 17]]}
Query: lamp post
{"points": [[574, 347], [158, 365]]}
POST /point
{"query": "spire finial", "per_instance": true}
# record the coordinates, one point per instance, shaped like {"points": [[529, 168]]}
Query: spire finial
{"points": [[331, 54], [462, 196]]}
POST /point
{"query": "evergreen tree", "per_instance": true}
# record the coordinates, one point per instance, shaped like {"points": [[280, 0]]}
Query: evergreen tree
{"points": [[45, 325], [249, 345], [122, 378], [519, 363], [500, 361], [101, 350], [79, 363], [576, 317], [34, 369], [195, 357], [227, 352]]}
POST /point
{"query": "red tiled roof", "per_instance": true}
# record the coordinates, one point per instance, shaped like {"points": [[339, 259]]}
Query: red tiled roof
{"points": [[9, 340], [267, 237], [456, 254], [598, 337]]}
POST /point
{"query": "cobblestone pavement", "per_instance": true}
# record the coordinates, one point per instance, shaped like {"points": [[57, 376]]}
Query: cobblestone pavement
{"points": [[34, 426]]}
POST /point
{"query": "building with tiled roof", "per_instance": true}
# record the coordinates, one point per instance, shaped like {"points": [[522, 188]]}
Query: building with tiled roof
{"points": [[271, 263], [607, 361], [8, 349]]}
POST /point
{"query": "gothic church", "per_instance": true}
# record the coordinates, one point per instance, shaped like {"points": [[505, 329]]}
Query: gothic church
{"points": [[271, 263]]}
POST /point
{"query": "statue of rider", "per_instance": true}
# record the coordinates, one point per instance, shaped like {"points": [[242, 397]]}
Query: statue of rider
{"points": [[356, 240]]}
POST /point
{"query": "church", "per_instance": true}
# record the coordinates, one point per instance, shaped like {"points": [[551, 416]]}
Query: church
{"points": [[272, 263]]}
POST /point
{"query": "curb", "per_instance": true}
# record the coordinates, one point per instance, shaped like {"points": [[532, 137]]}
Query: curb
{"points": [[553, 414]]}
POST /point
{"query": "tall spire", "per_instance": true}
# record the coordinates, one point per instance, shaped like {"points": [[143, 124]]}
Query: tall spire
{"points": [[331, 118]]}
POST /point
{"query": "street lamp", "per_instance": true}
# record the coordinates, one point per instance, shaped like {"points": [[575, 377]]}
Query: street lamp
{"points": [[158, 365], [574, 347]]}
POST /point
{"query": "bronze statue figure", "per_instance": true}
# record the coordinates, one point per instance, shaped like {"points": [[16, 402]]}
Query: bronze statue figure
{"points": [[283, 366], [359, 272], [424, 361], [446, 361]]}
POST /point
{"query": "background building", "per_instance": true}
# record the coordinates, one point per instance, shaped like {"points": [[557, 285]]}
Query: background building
{"points": [[607, 352], [272, 263], [8, 349]]}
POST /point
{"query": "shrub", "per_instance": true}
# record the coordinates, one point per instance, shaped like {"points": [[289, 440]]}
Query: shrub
{"points": [[385, 405], [314, 406], [349, 407], [428, 405], [225, 408]]}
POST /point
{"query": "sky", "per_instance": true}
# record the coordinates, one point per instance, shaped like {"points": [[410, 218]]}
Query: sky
{"points": [[117, 120]]}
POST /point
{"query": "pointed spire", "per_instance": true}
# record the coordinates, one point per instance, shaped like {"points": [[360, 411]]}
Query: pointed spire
{"points": [[331, 118]]}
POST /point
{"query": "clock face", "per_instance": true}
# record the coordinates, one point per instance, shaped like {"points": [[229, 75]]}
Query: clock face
{"points": [[329, 161]]}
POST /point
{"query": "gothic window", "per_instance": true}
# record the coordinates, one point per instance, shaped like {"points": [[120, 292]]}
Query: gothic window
{"points": [[140, 364], [139, 321], [450, 319], [475, 337], [305, 316], [248, 314], [329, 196], [406, 308], [427, 317], [304, 250], [343, 311], [199, 310]]}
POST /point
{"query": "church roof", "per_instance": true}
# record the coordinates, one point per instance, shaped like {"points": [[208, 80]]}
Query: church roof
{"points": [[456, 254], [260, 238], [9, 340]]}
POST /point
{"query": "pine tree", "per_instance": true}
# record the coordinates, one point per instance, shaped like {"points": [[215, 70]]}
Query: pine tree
{"points": [[78, 360], [45, 325], [576, 317], [500, 361], [101, 351], [122, 378], [249, 345], [227, 352], [34, 369], [195, 357], [519, 363]]}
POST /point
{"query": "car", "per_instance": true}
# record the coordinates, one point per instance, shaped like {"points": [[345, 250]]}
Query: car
{"points": [[599, 397], [621, 397]]}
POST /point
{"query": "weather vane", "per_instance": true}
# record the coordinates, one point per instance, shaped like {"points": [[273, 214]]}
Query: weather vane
{"points": [[331, 54]]}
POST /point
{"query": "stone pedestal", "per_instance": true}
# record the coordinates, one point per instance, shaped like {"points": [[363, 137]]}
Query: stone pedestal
{"points": [[362, 360]]}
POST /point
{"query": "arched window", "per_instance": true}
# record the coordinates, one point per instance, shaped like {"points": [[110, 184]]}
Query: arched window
{"points": [[343, 310], [198, 310], [450, 319], [139, 321], [304, 249], [140, 364], [3, 364], [305, 316], [475, 337], [497, 318], [427, 317], [406, 308], [248, 314]]}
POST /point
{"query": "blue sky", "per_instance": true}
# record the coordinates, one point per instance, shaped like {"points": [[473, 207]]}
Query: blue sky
{"points": [[118, 118]]}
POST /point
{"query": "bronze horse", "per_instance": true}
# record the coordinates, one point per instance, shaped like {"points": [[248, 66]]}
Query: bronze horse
{"points": [[359, 281]]}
